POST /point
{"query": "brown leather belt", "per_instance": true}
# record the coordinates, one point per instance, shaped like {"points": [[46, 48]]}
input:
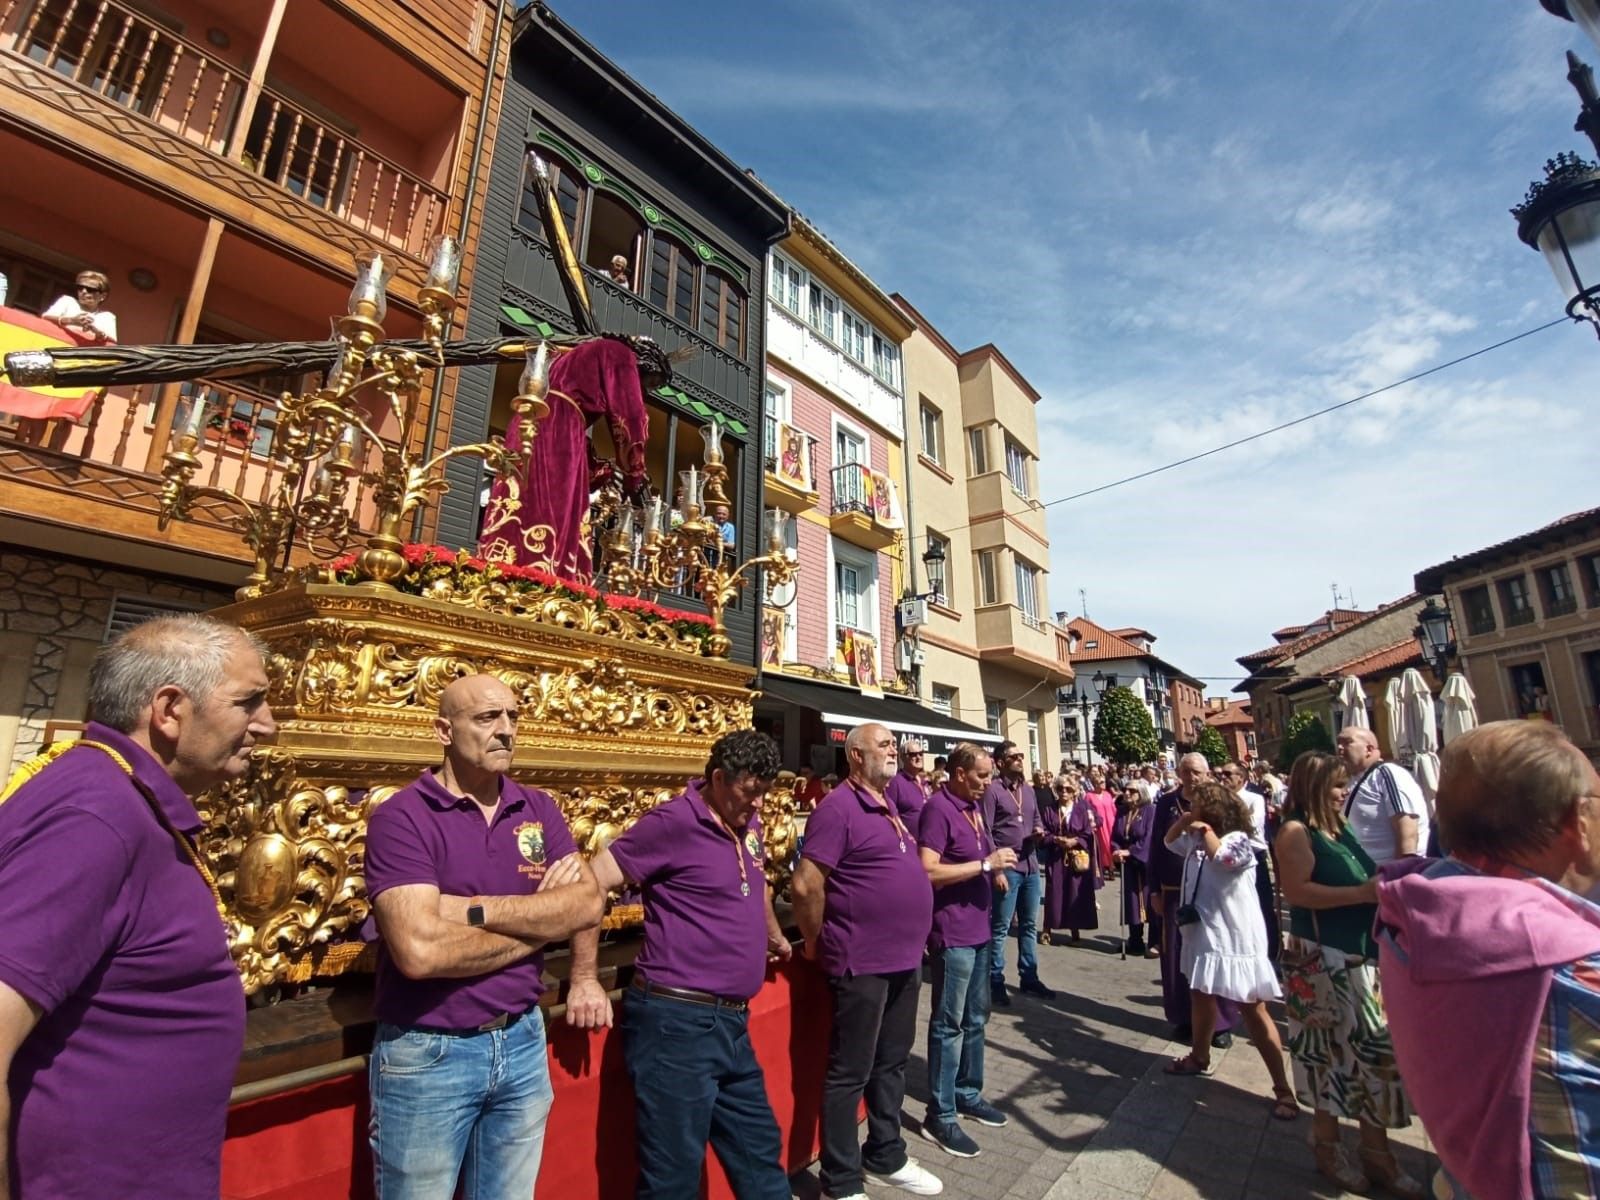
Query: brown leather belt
{"points": [[690, 996]]}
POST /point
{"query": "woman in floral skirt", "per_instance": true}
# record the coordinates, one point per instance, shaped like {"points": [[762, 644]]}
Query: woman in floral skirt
{"points": [[1343, 1059]]}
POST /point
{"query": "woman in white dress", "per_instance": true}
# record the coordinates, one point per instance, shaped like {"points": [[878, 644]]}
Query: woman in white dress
{"points": [[1224, 937]]}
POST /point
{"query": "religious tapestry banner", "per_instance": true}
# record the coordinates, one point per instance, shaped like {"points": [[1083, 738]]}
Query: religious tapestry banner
{"points": [[794, 456]]}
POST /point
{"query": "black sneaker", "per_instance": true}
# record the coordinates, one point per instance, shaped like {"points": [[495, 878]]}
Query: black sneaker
{"points": [[950, 1138], [1033, 987], [1221, 1041], [998, 996], [984, 1113]]}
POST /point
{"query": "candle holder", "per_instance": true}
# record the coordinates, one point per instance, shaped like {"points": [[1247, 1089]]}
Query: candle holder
{"points": [[326, 440]]}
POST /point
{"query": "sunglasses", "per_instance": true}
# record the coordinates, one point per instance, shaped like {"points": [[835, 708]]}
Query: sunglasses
{"points": [[93, 291]]}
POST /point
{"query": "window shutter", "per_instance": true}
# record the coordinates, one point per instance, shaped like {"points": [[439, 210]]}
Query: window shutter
{"points": [[128, 610]]}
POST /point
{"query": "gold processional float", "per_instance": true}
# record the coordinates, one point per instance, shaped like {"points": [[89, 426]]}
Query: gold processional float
{"points": [[621, 697]]}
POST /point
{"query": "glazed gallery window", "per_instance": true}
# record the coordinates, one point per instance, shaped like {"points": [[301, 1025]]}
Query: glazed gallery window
{"points": [[1028, 591], [885, 361], [853, 341], [722, 312], [1017, 468], [1479, 609], [822, 310], [795, 289], [1555, 590], [662, 268], [785, 282], [1515, 600], [932, 432], [988, 577], [978, 451]]}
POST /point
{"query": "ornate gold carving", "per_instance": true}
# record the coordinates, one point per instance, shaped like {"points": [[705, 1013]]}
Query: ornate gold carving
{"points": [[782, 837], [287, 855], [611, 727]]}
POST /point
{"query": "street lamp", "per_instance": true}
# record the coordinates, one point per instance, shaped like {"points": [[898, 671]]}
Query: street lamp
{"points": [[1433, 637], [933, 562], [1084, 704], [1560, 216]]}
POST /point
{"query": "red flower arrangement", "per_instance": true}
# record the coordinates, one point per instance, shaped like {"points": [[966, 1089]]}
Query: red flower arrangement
{"points": [[428, 563]]}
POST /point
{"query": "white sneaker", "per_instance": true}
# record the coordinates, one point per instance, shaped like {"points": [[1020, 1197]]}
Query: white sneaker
{"points": [[913, 1178], [851, 1196]]}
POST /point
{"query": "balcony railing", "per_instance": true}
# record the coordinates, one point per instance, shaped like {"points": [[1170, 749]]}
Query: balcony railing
{"points": [[147, 69], [1561, 607], [1519, 616], [852, 489], [235, 450]]}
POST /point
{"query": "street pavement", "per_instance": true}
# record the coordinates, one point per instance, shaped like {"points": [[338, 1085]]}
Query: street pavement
{"points": [[1092, 1115]]}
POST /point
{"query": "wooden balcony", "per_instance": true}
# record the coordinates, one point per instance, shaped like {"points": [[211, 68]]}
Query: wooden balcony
{"points": [[84, 487], [58, 51]]}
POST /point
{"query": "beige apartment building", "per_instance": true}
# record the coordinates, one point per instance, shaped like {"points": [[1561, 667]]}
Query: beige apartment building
{"points": [[1526, 615], [983, 646]]}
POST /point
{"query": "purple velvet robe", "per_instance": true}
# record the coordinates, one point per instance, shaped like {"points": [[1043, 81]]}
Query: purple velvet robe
{"points": [[1130, 832], [1068, 898], [544, 523]]}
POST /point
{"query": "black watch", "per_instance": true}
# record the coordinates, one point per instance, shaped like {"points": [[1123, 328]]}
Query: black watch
{"points": [[475, 913]]}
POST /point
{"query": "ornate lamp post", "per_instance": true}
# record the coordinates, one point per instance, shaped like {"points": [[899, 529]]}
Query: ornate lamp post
{"points": [[933, 563], [1433, 634], [1560, 216], [1100, 683]]}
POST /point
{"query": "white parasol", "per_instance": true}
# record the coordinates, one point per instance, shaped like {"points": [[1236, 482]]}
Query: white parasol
{"points": [[1460, 707], [1418, 732], [1354, 701], [1394, 717]]}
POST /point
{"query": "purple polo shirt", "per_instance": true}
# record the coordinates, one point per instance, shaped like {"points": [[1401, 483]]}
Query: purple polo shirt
{"points": [[960, 910], [700, 931], [878, 903], [906, 793], [1013, 817], [121, 1089], [425, 834]]}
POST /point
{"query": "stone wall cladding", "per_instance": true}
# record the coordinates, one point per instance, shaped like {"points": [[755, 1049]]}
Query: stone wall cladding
{"points": [[61, 601]]}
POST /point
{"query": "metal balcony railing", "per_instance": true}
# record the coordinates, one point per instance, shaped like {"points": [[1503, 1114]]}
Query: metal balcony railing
{"points": [[145, 68], [852, 489]]}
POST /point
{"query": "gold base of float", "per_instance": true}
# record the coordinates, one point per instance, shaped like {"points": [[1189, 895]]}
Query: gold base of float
{"points": [[619, 708]]}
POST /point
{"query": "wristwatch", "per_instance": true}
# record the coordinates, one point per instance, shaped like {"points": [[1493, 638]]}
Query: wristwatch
{"points": [[475, 912], [988, 867]]}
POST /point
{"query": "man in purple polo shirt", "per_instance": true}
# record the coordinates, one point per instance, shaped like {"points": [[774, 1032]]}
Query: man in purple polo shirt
{"points": [[864, 907], [908, 788], [961, 860], [470, 874], [121, 1012], [1012, 811], [708, 928]]}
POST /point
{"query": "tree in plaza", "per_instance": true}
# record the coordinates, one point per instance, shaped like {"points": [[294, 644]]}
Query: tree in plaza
{"points": [[1211, 745], [1305, 732], [1123, 731]]}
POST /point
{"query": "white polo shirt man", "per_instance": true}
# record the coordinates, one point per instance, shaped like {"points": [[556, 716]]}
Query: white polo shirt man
{"points": [[1383, 803]]}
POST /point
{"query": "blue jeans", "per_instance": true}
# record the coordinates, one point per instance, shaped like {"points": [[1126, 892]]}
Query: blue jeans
{"points": [[1021, 898], [960, 1012], [459, 1106], [696, 1079]]}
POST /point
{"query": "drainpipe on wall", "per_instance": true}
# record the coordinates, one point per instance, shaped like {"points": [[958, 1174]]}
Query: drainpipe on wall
{"points": [[910, 563], [466, 216]]}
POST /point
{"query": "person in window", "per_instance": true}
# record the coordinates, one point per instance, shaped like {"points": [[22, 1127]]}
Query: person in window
{"points": [[619, 271], [726, 533], [81, 312]]}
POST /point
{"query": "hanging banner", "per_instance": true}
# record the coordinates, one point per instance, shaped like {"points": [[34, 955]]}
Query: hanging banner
{"points": [[794, 461], [774, 636]]}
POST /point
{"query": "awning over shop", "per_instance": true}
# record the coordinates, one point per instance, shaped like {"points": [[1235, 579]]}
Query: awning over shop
{"points": [[842, 709]]}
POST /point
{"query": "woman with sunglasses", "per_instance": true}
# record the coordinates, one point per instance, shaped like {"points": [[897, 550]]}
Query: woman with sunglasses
{"points": [[81, 312]]}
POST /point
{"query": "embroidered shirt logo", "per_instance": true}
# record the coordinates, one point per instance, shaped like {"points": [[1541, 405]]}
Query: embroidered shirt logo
{"points": [[753, 844], [530, 841]]}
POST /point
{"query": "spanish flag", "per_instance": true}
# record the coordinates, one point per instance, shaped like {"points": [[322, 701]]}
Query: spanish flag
{"points": [[24, 331]]}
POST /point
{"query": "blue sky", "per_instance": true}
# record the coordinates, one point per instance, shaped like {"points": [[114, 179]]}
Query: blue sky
{"points": [[1183, 222]]}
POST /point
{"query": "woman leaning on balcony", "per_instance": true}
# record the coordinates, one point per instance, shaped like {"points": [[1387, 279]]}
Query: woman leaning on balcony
{"points": [[83, 312]]}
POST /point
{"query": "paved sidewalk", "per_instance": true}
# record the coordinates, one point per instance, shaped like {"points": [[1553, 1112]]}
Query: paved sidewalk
{"points": [[1092, 1114]]}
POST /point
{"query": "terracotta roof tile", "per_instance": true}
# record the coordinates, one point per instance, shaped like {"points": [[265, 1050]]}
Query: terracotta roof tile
{"points": [[1431, 580], [1107, 644], [1376, 662]]}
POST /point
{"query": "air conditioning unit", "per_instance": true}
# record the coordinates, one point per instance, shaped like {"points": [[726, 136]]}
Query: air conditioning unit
{"points": [[913, 613]]}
